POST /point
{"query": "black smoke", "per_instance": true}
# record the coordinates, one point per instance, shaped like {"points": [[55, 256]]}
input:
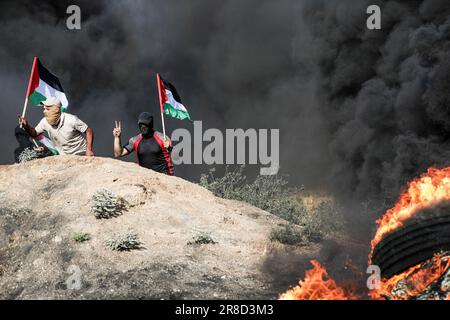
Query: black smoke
{"points": [[383, 93], [360, 111]]}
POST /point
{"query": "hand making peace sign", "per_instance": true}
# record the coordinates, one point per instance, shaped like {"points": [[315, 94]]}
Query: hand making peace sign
{"points": [[117, 129]]}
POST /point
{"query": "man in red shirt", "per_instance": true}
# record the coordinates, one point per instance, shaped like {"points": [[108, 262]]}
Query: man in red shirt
{"points": [[152, 148]]}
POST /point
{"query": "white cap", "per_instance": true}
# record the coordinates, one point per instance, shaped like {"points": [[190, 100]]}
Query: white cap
{"points": [[51, 101]]}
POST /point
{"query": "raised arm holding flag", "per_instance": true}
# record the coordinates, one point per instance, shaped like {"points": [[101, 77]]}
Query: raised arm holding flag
{"points": [[69, 135]]}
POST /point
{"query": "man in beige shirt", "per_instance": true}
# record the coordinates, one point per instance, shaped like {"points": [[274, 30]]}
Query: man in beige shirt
{"points": [[69, 134]]}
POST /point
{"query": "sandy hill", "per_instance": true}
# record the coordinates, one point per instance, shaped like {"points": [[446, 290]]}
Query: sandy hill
{"points": [[44, 202]]}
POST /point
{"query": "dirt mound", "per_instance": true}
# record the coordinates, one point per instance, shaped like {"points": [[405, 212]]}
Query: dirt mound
{"points": [[43, 203]]}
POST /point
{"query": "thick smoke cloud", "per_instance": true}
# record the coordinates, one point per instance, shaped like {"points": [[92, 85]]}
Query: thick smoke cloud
{"points": [[359, 111], [384, 94]]}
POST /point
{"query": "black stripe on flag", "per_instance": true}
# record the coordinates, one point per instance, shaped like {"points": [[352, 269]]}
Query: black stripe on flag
{"points": [[170, 87], [48, 77]]}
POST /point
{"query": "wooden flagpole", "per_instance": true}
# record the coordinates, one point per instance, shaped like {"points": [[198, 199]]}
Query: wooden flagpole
{"points": [[158, 79], [33, 68]]}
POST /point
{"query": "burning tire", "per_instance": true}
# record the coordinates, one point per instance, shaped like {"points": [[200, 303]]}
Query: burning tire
{"points": [[418, 240]]}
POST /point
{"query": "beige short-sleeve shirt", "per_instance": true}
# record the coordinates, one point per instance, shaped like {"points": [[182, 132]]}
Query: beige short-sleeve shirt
{"points": [[68, 136]]}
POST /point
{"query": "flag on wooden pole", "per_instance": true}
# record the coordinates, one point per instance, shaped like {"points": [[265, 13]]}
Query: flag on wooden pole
{"points": [[170, 101], [43, 84]]}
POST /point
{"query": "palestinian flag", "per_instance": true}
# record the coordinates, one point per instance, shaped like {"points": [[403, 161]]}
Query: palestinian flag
{"points": [[43, 85], [47, 142], [170, 100]]}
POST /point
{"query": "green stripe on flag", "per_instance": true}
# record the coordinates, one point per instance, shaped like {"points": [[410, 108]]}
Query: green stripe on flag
{"points": [[36, 98], [175, 113], [54, 151]]}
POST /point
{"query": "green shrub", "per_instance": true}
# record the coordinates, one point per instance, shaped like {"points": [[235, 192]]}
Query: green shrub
{"points": [[272, 194], [330, 217], [106, 204], [287, 234], [81, 237], [313, 228], [124, 242], [269, 193], [202, 238], [228, 187]]}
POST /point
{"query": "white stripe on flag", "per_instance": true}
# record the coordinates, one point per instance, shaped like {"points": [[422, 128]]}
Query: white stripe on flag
{"points": [[48, 91], [174, 103]]}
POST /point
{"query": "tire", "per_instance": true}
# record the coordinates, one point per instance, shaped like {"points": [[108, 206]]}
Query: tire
{"points": [[417, 241]]}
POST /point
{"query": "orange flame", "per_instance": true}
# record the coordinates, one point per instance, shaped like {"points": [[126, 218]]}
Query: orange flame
{"points": [[430, 188], [414, 280], [317, 286]]}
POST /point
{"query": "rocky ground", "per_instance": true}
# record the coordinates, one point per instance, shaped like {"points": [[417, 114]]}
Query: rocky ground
{"points": [[43, 203]]}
